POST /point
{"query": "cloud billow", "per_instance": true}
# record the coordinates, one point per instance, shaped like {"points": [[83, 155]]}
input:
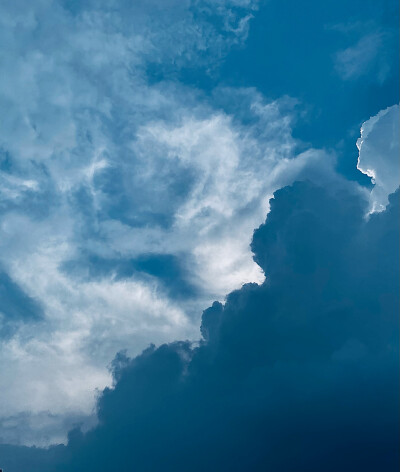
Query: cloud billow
{"points": [[100, 187], [135, 164], [297, 374]]}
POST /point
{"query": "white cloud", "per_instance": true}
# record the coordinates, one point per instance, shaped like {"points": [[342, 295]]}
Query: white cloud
{"points": [[379, 154]]}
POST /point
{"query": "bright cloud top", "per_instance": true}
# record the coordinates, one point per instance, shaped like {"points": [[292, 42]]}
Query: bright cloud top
{"points": [[379, 154]]}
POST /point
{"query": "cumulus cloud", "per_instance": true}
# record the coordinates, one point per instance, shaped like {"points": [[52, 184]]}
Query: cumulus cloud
{"points": [[127, 199], [109, 166], [378, 149], [297, 373]]}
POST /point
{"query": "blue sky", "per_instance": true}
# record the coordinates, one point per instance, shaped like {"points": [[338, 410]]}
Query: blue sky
{"points": [[140, 145]]}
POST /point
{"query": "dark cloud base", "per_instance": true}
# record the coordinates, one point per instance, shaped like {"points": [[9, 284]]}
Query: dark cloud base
{"points": [[298, 374]]}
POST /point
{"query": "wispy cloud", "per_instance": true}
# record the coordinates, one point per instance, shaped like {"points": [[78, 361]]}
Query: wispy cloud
{"points": [[367, 54]]}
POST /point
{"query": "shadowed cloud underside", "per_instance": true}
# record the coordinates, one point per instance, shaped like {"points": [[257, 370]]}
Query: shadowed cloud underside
{"points": [[299, 373]]}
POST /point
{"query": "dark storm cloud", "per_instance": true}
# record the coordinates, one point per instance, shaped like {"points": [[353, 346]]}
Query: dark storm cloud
{"points": [[298, 374]]}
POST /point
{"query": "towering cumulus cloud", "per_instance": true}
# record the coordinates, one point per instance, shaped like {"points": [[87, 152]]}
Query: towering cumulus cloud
{"points": [[297, 374]]}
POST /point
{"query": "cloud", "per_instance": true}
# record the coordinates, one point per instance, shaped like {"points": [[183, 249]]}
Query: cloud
{"points": [[378, 149], [107, 162], [111, 168], [297, 373], [190, 192], [369, 55]]}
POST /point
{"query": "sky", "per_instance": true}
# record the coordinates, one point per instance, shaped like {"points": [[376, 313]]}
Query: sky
{"points": [[199, 235]]}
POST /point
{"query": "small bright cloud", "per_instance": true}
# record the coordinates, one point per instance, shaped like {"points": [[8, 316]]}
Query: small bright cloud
{"points": [[379, 154]]}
